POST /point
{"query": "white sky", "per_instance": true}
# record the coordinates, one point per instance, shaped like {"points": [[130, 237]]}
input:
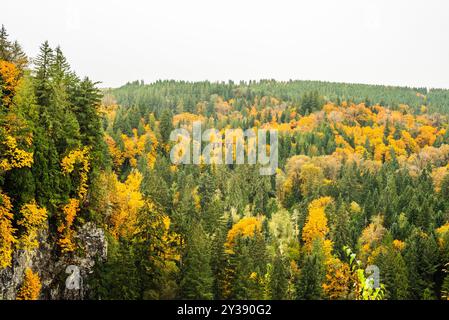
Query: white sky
{"points": [[395, 42]]}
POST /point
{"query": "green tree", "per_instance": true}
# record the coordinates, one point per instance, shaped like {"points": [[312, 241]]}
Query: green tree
{"points": [[421, 257], [166, 125], [197, 277], [279, 278], [312, 273], [43, 64], [393, 273], [5, 45]]}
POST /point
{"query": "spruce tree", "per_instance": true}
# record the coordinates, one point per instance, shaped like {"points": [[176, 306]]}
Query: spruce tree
{"points": [[279, 278], [312, 274], [394, 273], [197, 280], [43, 63], [166, 125], [18, 56], [421, 257], [5, 45], [85, 99]]}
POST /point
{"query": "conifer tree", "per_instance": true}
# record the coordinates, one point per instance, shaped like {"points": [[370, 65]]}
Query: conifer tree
{"points": [[5, 45], [43, 63], [197, 278], [166, 125], [312, 274], [394, 273], [279, 278]]}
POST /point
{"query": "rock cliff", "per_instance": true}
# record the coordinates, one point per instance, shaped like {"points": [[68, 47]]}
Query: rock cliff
{"points": [[62, 276]]}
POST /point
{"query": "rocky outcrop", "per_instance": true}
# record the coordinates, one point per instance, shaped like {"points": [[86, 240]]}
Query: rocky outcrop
{"points": [[62, 276]]}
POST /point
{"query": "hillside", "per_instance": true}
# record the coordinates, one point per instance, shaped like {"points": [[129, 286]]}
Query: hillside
{"points": [[87, 179]]}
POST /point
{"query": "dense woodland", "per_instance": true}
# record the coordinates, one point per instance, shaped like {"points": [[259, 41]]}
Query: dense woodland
{"points": [[363, 180]]}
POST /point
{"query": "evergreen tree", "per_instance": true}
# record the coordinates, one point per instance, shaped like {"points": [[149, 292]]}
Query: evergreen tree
{"points": [[312, 274], [197, 278], [219, 262], [279, 278], [5, 45], [421, 258], [85, 99], [18, 56], [43, 63], [393, 273], [166, 125]]}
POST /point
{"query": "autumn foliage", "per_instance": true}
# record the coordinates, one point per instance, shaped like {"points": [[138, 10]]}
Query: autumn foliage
{"points": [[246, 227], [78, 158], [316, 224], [9, 79], [7, 238], [33, 220], [362, 180], [65, 229], [31, 286]]}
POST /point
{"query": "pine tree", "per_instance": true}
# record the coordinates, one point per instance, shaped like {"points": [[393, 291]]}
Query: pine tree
{"points": [[445, 190], [400, 286], [394, 273], [43, 64], [47, 178], [166, 125], [60, 69], [5, 45], [340, 231], [240, 271], [312, 275], [18, 56], [118, 277], [210, 110], [421, 257], [279, 278], [197, 277], [85, 99], [219, 262]]}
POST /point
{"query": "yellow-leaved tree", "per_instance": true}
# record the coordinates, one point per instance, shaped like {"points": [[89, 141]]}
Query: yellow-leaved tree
{"points": [[69, 162], [133, 146], [371, 237], [33, 219], [336, 284], [31, 286], [152, 154], [338, 279], [9, 79], [12, 156], [66, 240], [7, 231], [246, 227], [114, 151], [316, 223], [126, 201]]}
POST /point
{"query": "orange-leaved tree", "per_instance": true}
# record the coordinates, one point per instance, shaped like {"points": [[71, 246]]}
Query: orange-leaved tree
{"points": [[66, 240], [31, 286]]}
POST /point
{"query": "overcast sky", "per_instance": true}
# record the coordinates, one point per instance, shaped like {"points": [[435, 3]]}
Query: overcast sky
{"points": [[115, 41]]}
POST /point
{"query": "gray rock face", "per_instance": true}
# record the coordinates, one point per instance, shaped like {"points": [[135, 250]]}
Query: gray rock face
{"points": [[62, 276]]}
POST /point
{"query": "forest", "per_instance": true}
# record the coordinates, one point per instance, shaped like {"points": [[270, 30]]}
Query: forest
{"points": [[361, 189]]}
